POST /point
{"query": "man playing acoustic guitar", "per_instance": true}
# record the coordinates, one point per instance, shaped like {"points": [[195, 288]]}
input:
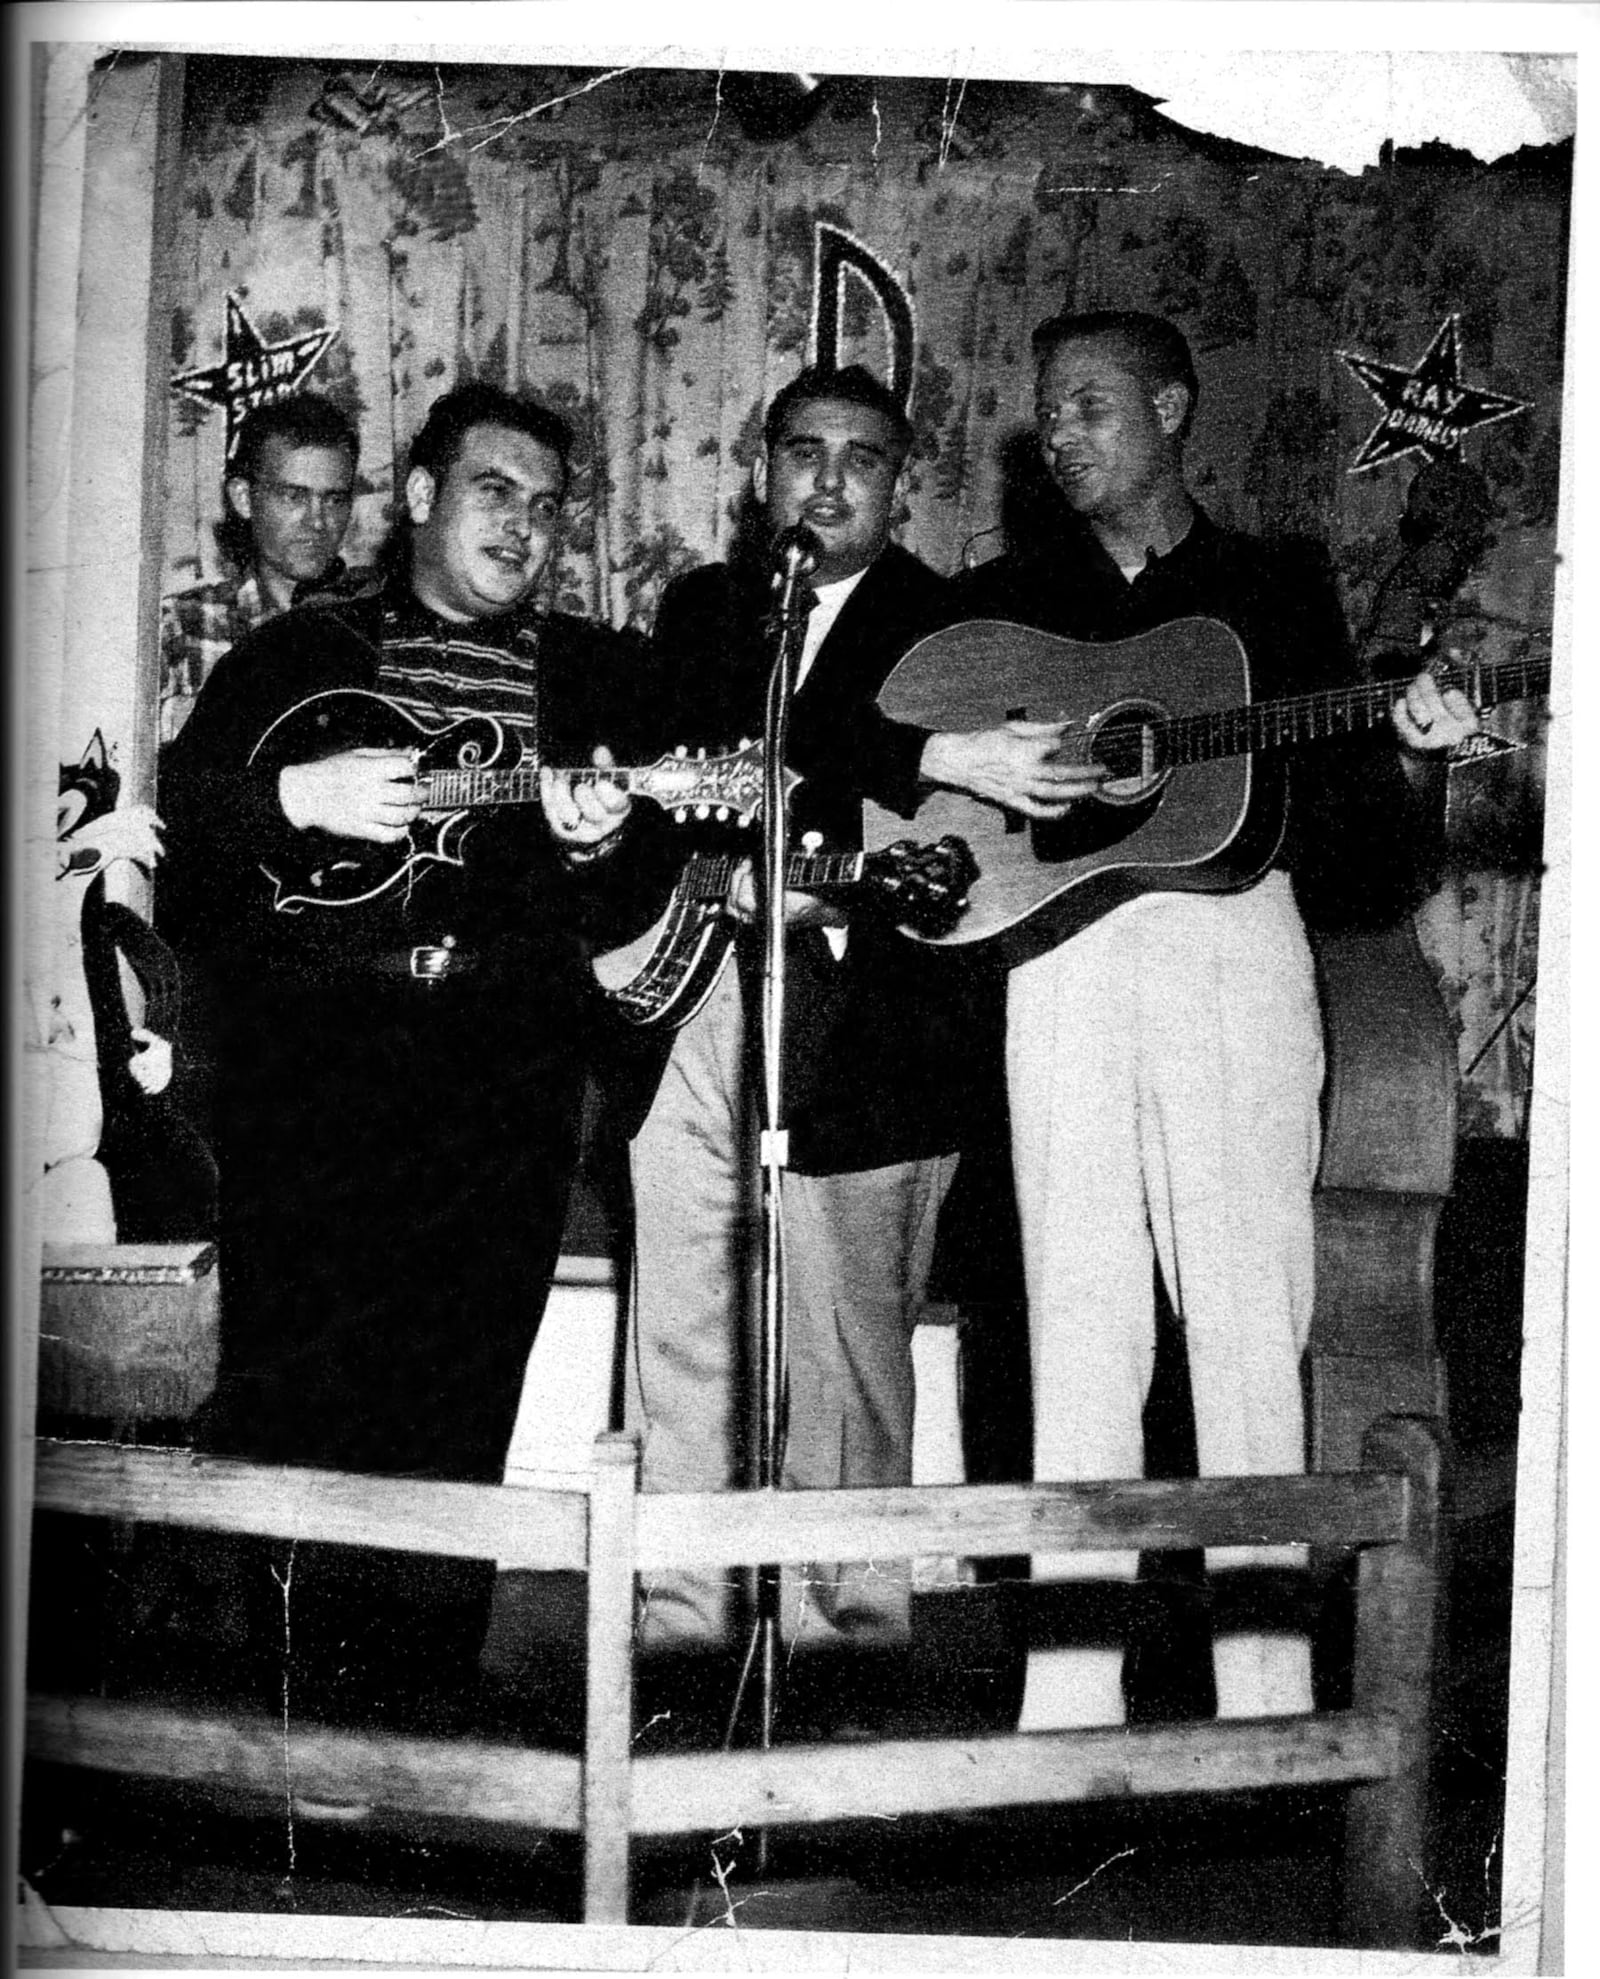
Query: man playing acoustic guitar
{"points": [[1165, 1063]]}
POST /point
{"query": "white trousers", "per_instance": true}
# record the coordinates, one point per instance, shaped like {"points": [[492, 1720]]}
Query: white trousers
{"points": [[1165, 1067], [859, 1247]]}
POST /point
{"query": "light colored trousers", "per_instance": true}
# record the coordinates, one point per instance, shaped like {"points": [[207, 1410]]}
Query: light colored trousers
{"points": [[858, 1249], [1165, 1066]]}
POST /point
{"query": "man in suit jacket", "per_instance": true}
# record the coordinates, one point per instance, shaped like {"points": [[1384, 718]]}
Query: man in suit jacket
{"points": [[892, 1053]]}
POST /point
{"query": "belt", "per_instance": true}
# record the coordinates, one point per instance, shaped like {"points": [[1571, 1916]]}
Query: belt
{"points": [[431, 963]]}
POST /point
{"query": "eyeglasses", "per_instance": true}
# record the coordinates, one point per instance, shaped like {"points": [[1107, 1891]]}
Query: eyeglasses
{"points": [[302, 501]]}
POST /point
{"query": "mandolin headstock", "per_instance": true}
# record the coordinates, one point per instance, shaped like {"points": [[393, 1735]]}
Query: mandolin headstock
{"points": [[729, 787]]}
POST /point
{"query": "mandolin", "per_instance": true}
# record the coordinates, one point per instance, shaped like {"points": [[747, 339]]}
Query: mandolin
{"points": [[463, 767]]}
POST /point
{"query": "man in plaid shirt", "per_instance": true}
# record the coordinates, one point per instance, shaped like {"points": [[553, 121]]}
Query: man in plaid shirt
{"points": [[289, 491]]}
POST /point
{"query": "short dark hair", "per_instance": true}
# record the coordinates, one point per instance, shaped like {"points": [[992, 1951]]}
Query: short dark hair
{"points": [[1155, 350], [302, 420], [854, 384], [438, 445]]}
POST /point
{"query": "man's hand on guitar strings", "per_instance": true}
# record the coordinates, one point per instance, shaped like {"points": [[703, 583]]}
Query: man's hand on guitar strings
{"points": [[583, 814], [360, 793], [1015, 766], [1430, 719]]}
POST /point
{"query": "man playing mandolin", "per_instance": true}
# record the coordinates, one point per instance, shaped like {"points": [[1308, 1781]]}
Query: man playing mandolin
{"points": [[1165, 1062], [404, 1007]]}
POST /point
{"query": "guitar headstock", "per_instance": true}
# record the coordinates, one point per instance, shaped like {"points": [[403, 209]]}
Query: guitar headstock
{"points": [[926, 886], [730, 787]]}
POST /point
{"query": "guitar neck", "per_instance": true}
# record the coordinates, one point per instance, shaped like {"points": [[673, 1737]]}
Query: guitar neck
{"points": [[671, 783], [709, 874], [474, 790], [1335, 711]]}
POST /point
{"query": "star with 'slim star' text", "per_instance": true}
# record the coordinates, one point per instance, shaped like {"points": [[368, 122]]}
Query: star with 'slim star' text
{"points": [[1426, 410], [253, 373]]}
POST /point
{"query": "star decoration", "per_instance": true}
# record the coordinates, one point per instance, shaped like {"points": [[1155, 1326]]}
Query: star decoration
{"points": [[253, 373], [1426, 410]]}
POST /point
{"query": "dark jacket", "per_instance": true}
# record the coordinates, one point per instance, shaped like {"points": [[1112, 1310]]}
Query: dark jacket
{"points": [[1358, 838], [895, 1053], [513, 900]]}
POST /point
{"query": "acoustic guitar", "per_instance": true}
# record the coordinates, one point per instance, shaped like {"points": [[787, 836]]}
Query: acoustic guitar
{"points": [[1194, 798], [463, 767]]}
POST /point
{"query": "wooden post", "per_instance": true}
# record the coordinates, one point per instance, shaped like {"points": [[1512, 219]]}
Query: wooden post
{"points": [[1388, 1157], [608, 1722], [1388, 1894]]}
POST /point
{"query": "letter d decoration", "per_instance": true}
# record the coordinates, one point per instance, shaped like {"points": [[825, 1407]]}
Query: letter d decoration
{"points": [[838, 256]]}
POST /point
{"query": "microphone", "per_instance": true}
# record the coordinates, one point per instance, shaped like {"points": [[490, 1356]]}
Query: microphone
{"points": [[797, 552]]}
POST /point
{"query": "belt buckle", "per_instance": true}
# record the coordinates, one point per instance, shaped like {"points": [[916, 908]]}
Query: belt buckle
{"points": [[431, 964]]}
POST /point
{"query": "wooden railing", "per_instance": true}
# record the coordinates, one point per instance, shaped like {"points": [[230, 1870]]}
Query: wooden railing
{"points": [[1388, 1511]]}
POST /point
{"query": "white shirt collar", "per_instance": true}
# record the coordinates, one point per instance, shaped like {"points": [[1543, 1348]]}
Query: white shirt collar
{"points": [[830, 602]]}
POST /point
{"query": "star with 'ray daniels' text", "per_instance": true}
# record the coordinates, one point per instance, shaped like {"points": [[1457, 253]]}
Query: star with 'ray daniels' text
{"points": [[1426, 410], [253, 373]]}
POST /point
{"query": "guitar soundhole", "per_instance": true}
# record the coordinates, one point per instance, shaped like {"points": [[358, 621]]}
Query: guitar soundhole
{"points": [[1131, 741], [470, 756]]}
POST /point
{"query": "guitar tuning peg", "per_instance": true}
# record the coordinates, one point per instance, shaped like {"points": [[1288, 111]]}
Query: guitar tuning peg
{"points": [[722, 813], [745, 818], [811, 841], [681, 815], [702, 810], [700, 755], [745, 742], [682, 749]]}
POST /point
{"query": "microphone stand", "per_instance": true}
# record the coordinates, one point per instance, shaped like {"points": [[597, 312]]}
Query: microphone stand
{"points": [[789, 622]]}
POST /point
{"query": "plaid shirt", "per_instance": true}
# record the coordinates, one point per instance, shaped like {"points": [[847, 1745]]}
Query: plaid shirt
{"points": [[200, 624]]}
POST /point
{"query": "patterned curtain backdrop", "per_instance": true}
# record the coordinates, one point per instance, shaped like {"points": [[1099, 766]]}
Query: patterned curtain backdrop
{"points": [[639, 254]]}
